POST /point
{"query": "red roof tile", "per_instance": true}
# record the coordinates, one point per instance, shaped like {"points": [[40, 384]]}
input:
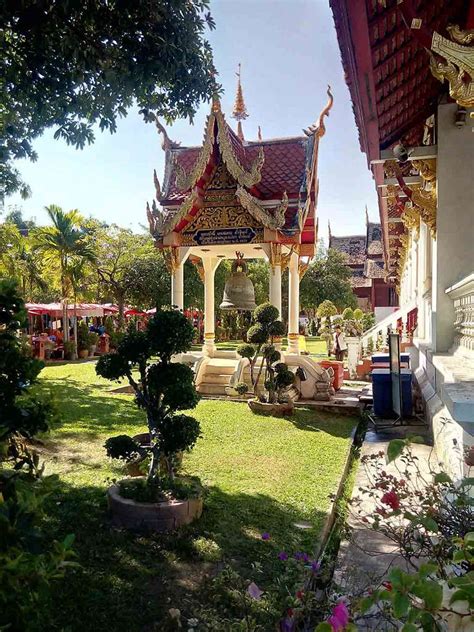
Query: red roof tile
{"points": [[283, 170]]}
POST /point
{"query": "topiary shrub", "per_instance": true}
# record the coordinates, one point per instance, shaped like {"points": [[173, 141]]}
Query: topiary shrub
{"points": [[261, 334], [165, 387]]}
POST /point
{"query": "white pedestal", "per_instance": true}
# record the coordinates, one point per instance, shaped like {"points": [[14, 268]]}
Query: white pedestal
{"points": [[353, 352]]}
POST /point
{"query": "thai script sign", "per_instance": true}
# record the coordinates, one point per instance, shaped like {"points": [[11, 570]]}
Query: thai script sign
{"points": [[218, 236]]}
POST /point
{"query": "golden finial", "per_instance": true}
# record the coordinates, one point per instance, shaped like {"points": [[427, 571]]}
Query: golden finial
{"points": [[240, 111], [260, 133], [366, 215]]}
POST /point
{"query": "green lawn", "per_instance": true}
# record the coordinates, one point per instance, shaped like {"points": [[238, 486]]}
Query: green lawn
{"points": [[314, 345], [261, 474]]}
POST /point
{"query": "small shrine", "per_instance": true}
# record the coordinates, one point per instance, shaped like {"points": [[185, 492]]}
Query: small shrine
{"points": [[231, 195]]}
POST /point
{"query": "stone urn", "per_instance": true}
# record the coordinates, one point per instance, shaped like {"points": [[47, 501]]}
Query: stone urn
{"points": [[284, 409], [160, 517]]}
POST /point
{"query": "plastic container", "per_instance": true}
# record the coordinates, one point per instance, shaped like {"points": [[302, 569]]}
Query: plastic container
{"points": [[382, 358], [382, 392], [338, 372]]}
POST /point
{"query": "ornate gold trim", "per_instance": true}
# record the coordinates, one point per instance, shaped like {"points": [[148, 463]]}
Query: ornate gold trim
{"points": [[245, 178], [275, 255], [184, 181], [173, 220], [285, 259], [458, 65], [302, 269], [253, 206], [171, 257]]}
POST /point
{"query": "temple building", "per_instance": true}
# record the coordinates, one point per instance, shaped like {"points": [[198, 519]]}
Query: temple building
{"points": [[409, 66], [238, 199], [365, 260]]}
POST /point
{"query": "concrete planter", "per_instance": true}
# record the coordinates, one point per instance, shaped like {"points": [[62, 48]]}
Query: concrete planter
{"points": [[275, 410], [159, 517]]}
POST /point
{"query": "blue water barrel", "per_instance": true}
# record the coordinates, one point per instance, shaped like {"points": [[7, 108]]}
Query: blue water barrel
{"points": [[382, 392]]}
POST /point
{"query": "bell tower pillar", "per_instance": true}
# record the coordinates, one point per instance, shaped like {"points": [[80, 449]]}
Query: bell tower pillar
{"points": [[293, 304], [275, 276], [210, 265]]}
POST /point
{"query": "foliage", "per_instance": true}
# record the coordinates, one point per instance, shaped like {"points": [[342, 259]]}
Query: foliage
{"points": [[164, 388], [370, 346], [28, 565], [348, 314], [72, 69], [325, 309], [145, 491], [147, 279], [63, 243], [429, 518], [277, 377], [327, 278], [313, 327], [82, 336], [358, 314], [367, 320], [242, 387], [123, 447], [244, 499]]}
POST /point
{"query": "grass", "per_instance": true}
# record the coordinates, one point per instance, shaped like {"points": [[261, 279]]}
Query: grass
{"points": [[261, 474], [314, 345]]}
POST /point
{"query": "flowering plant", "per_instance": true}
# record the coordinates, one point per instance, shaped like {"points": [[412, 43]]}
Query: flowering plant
{"points": [[430, 519]]}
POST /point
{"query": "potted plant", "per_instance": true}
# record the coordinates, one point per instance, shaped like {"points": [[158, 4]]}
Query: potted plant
{"points": [[93, 340], [265, 359], [82, 340], [161, 501], [69, 350]]}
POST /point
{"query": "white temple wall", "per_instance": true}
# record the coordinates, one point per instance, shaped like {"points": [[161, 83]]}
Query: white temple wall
{"points": [[455, 218]]}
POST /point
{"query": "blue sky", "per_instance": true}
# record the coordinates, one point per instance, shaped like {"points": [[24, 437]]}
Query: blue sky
{"points": [[289, 53]]}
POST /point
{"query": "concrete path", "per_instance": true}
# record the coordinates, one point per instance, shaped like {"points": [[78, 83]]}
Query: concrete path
{"points": [[365, 560]]}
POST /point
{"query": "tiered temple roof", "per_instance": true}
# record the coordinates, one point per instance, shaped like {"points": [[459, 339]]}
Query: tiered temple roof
{"points": [[275, 181], [363, 253]]}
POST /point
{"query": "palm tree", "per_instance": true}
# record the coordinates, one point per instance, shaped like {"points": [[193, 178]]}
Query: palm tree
{"points": [[62, 243]]}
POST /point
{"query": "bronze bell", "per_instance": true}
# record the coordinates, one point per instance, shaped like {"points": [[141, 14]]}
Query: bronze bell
{"points": [[239, 292]]}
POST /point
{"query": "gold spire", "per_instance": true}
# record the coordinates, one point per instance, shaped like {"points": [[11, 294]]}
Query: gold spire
{"points": [[240, 111]]}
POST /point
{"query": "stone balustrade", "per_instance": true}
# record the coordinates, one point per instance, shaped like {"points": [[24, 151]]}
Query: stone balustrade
{"points": [[462, 294]]}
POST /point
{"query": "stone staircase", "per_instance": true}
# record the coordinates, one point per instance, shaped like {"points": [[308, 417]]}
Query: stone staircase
{"points": [[214, 376]]}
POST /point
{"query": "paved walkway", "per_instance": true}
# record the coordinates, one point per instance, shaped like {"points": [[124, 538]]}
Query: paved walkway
{"points": [[365, 560]]}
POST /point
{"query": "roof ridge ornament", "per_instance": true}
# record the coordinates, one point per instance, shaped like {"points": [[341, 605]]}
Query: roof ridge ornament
{"points": [[319, 129], [254, 207], [167, 143]]}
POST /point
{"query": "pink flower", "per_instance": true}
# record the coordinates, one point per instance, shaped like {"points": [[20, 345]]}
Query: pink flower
{"points": [[265, 536], [339, 617], [254, 591], [391, 499]]}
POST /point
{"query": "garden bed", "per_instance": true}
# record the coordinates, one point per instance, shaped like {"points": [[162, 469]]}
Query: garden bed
{"points": [[262, 474]]}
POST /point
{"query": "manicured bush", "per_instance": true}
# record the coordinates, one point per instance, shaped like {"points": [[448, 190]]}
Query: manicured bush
{"points": [[164, 388], [266, 327]]}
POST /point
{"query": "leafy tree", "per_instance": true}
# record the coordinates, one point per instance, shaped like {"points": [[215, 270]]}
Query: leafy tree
{"points": [[28, 565], [118, 250], [165, 387], [63, 242], [72, 65], [149, 281], [19, 261], [15, 216], [328, 278]]}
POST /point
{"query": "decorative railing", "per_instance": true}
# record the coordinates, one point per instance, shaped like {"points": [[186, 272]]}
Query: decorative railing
{"points": [[405, 316], [462, 294]]}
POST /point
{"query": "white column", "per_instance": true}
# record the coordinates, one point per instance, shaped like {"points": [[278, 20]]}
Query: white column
{"points": [[293, 304], [177, 287], [275, 287], [210, 265]]}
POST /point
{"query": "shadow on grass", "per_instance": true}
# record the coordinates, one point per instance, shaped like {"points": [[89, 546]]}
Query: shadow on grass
{"points": [[313, 420], [128, 582], [93, 406]]}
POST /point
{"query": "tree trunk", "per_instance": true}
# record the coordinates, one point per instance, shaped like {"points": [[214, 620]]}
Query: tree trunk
{"points": [[121, 306]]}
